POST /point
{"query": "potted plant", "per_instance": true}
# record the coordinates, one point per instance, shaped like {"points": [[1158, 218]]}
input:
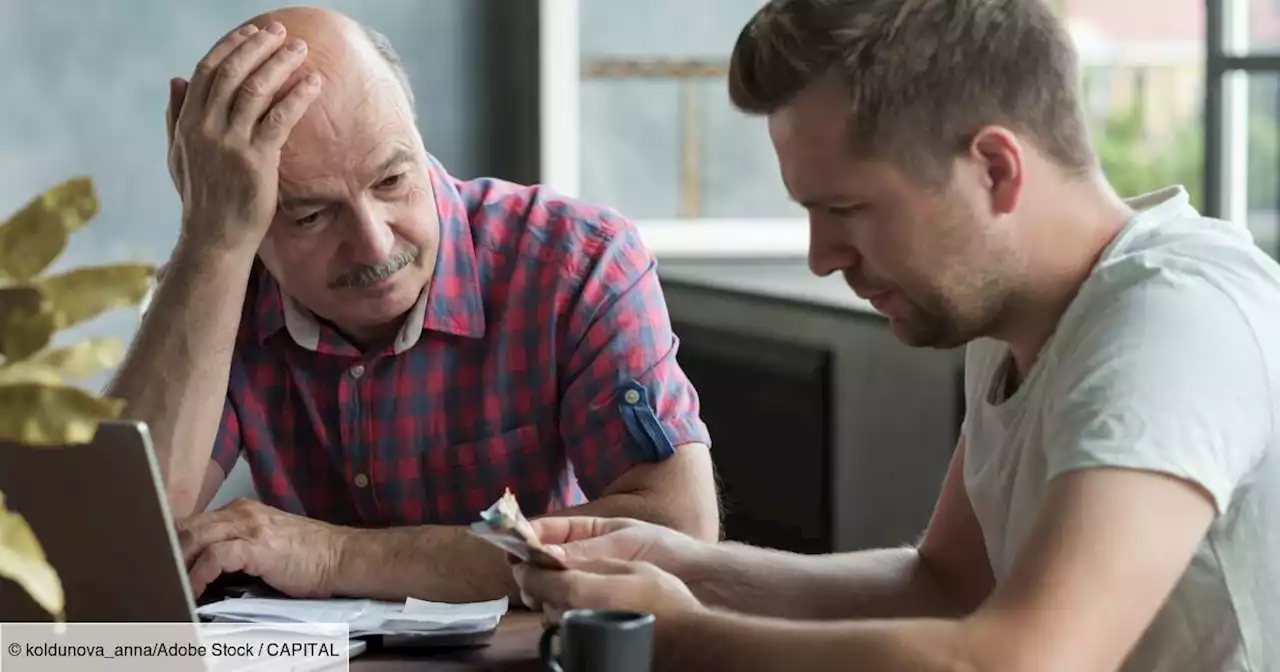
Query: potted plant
{"points": [[40, 408]]}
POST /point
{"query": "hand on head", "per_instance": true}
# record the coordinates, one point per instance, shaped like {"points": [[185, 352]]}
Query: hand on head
{"points": [[226, 127], [614, 563]]}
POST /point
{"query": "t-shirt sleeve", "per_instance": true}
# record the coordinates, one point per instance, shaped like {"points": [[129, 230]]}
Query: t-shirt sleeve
{"points": [[1169, 377], [625, 399]]}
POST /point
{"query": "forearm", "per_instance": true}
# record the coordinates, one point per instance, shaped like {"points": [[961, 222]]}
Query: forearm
{"points": [[684, 514], [441, 563], [174, 377], [888, 583], [717, 640], [447, 563]]}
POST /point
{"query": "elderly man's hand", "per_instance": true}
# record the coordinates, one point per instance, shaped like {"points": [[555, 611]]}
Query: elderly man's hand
{"points": [[226, 129], [604, 583], [295, 555]]}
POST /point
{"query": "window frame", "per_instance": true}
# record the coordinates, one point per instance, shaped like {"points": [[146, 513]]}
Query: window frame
{"points": [[1226, 109], [1225, 147], [560, 76]]}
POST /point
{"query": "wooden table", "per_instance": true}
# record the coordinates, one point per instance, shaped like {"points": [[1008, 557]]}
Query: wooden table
{"points": [[513, 647]]}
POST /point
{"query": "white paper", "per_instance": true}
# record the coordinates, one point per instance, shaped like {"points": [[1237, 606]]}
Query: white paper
{"points": [[306, 611], [444, 612], [364, 617]]}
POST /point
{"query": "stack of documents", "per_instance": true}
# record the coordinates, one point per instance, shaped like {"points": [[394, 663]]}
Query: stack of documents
{"points": [[363, 617]]}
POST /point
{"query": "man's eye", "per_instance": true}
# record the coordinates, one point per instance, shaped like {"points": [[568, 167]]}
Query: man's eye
{"points": [[844, 210], [391, 181], [309, 219]]}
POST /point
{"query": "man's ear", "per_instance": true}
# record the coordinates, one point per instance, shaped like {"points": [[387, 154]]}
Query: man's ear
{"points": [[1001, 155]]}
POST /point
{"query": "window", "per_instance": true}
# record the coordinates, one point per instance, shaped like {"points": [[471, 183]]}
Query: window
{"points": [[636, 116], [1242, 103], [1142, 63]]}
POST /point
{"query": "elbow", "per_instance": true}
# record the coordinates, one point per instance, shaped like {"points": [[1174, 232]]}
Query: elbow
{"points": [[690, 516], [701, 525], [699, 519]]}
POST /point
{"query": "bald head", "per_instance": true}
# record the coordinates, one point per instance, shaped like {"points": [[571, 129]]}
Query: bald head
{"points": [[338, 47]]}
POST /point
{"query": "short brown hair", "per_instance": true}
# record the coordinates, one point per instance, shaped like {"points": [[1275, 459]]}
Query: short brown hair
{"points": [[923, 75]]}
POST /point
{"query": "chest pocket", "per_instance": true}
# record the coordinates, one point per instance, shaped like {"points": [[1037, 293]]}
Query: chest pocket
{"points": [[463, 479]]}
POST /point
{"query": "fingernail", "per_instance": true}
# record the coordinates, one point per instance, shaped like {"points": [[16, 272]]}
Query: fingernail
{"points": [[276, 28], [313, 79], [554, 550], [298, 46], [249, 29]]}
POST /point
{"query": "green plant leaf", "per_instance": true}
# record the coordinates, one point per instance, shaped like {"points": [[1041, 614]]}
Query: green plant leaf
{"points": [[85, 293], [81, 360], [22, 561], [27, 372], [54, 367], [37, 234], [26, 323], [52, 415]]}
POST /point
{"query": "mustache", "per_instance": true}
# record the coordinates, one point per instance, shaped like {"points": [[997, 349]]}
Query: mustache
{"points": [[367, 275]]}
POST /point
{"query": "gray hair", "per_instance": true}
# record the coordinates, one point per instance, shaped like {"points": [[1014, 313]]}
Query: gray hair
{"points": [[383, 46]]}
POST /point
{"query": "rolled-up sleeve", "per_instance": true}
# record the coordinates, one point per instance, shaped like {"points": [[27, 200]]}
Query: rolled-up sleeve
{"points": [[625, 399]]}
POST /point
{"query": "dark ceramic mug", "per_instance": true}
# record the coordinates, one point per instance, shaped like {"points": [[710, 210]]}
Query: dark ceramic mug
{"points": [[599, 641]]}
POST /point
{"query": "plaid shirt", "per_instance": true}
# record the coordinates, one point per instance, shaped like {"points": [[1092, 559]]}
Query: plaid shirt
{"points": [[539, 358]]}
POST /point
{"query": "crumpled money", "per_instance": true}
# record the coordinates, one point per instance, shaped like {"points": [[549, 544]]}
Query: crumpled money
{"points": [[504, 526]]}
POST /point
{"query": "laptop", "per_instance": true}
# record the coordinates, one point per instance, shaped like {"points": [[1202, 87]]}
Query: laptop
{"points": [[101, 517]]}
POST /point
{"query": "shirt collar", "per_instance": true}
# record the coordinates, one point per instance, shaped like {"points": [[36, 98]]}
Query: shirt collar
{"points": [[451, 303]]}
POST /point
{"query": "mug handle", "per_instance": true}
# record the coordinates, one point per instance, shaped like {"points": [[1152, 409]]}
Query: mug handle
{"points": [[544, 648]]}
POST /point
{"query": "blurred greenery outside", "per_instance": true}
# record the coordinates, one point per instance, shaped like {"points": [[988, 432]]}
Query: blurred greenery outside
{"points": [[1136, 163]]}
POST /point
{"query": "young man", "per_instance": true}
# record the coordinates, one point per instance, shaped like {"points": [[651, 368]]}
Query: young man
{"points": [[1114, 502], [390, 348]]}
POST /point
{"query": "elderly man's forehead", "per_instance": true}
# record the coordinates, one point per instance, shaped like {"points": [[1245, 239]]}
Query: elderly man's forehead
{"points": [[351, 105], [348, 133]]}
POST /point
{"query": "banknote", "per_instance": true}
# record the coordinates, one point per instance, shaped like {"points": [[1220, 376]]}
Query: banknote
{"points": [[504, 526]]}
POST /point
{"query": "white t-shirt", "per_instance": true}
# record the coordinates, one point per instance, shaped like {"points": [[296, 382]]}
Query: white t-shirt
{"points": [[1168, 359]]}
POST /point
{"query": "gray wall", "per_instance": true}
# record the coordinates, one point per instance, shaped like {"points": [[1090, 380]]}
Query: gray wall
{"points": [[83, 86]]}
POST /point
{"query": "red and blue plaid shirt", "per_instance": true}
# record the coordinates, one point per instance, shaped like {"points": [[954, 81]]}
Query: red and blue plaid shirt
{"points": [[540, 359]]}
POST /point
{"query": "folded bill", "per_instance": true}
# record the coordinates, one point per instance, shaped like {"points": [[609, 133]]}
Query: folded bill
{"points": [[504, 526]]}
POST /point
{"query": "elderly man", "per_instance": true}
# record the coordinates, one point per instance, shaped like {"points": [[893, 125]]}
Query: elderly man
{"points": [[390, 347], [1114, 501]]}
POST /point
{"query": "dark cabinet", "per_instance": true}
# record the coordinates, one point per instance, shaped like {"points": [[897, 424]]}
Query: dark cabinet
{"points": [[828, 433], [767, 404]]}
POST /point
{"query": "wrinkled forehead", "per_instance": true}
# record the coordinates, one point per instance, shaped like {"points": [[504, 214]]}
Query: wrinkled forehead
{"points": [[356, 116]]}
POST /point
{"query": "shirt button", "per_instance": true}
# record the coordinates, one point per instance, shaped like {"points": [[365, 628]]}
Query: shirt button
{"points": [[361, 480], [357, 371], [631, 396]]}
